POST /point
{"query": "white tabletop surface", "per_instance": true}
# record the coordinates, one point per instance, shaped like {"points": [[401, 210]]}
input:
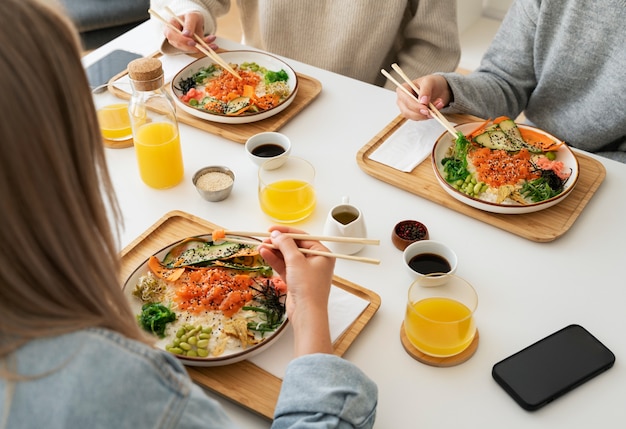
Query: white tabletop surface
{"points": [[526, 289]]}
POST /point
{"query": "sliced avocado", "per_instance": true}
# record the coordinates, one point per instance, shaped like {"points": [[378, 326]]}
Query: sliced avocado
{"points": [[510, 128], [497, 139], [204, 253], [235, 105]]}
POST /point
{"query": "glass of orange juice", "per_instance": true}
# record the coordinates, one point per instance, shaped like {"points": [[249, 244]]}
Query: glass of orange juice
{"points": [[159, 155], [287, 193], [113, 116], [439, 320]]}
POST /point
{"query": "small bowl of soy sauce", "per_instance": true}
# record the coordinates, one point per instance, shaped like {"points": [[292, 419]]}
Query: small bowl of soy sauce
{"points": [[430, 258], [268, 146]]}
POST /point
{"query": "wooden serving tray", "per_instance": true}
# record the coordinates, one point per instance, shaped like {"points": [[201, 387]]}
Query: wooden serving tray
{"points": [[242, 382], [542, 226], [308, 89]]}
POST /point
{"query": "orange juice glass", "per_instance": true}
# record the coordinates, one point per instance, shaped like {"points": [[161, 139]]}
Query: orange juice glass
{"points": [[439, 320], [115, 122], [157, 145], [113, 117], [286, 193]]}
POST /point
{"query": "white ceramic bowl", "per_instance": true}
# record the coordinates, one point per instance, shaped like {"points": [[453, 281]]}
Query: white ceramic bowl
{"points": [[236, 57], [258, 141], [564, 154], [427, 248]]}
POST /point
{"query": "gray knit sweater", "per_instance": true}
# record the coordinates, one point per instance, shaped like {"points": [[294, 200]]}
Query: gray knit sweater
{"points": [[562, 63]]}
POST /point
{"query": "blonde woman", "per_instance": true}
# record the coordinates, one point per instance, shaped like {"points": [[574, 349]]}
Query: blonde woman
{"points": [[71, 354]]}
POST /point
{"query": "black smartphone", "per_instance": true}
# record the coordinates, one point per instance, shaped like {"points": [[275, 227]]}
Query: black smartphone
{"points": [[108, 66], [552, 366]]}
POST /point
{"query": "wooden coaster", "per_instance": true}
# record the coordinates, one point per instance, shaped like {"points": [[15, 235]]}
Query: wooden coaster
{"points": [[438, 361], [121, 144]]}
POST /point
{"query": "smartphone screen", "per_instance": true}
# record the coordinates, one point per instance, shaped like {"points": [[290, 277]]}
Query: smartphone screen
{"points": [[552, 366], [108, 66]]}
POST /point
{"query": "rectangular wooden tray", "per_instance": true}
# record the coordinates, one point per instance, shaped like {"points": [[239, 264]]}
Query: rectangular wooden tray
{"points": [[542, 226], [308, 89], [242, 382]]}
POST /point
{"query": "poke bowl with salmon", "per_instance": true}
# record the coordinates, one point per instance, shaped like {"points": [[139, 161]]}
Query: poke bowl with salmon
{"points": [[263, 86], [500, 166], [210, 300]]}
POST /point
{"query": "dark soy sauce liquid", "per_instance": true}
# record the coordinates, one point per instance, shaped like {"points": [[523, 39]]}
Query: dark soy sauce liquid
{"points": [[268, 150], [429, 263], [345, 218]]}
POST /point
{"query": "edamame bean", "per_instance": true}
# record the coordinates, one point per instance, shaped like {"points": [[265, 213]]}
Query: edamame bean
{"points": [[191, 341]]}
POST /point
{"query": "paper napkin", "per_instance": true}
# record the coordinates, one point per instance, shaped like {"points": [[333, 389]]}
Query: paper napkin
{"points": [[343, 309], [409, 145]]}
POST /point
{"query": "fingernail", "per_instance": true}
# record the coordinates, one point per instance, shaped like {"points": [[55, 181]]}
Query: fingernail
{"points": [[274, 233], [425, 112], [191, 43], [186, 33], [424, 99]]}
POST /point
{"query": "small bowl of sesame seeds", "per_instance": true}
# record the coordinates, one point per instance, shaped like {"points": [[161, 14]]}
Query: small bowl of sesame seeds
{"points": [[214, 183]]}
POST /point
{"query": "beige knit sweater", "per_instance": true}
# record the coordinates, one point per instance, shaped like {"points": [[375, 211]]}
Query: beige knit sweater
{"points": [[355, 38]]}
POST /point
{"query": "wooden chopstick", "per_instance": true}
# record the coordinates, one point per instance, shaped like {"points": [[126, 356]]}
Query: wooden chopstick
{"points": [[437, 115], [308, 237], [202, 48], [312, 252]]}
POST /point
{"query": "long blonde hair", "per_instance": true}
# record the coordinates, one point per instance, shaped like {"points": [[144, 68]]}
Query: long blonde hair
{"points": [[58, 255]]}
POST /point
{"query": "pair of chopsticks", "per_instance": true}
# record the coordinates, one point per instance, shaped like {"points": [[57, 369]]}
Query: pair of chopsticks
{"points": [[431, 107], [309, 237], [202, 47], [357, 240]]}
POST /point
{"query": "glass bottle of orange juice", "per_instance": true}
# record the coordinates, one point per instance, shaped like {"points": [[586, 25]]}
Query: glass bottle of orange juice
{"points": [[155, 128]]}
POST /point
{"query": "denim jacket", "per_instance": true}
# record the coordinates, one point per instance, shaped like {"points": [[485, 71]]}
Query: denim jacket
{"points": [[96, 378]]}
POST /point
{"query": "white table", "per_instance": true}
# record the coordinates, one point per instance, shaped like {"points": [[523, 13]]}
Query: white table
{"points": [[526, 289]]}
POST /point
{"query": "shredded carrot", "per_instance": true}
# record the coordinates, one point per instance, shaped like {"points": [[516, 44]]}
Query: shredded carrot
{"points": [[500, 119], [498, 167], [218, 235], [478, 130], [167, 274], [539, 140]]}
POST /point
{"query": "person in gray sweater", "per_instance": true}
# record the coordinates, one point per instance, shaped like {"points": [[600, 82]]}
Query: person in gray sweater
{"points": [[561, 63]]}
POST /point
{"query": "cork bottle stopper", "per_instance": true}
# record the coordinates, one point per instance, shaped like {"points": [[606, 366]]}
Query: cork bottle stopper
{"points": [[146, 73]]}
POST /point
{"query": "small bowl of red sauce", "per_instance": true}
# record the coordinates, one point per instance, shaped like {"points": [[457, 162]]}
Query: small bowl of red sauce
{"points": [[407, 232]]}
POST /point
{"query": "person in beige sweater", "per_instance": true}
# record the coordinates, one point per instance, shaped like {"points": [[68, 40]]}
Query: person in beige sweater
{"points": [[356, 38]]}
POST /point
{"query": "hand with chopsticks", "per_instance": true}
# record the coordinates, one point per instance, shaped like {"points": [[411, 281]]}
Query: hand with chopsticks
{"points": [[433, 89], [192, 23], [308, 278]]}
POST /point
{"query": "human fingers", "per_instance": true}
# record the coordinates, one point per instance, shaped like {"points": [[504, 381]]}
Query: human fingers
{"points": [[177, 39], [305, 275], [193, 24], [434, 90], [409, 107], [210, 40]]}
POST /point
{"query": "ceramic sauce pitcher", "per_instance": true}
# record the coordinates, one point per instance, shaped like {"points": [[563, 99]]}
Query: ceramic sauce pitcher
{"points": [[345, 220]]}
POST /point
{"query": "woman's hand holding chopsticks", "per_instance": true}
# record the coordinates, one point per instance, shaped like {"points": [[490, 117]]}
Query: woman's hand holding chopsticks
{"points": [[433, 89], [308, 280], [192, 23], [202, 46]]}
